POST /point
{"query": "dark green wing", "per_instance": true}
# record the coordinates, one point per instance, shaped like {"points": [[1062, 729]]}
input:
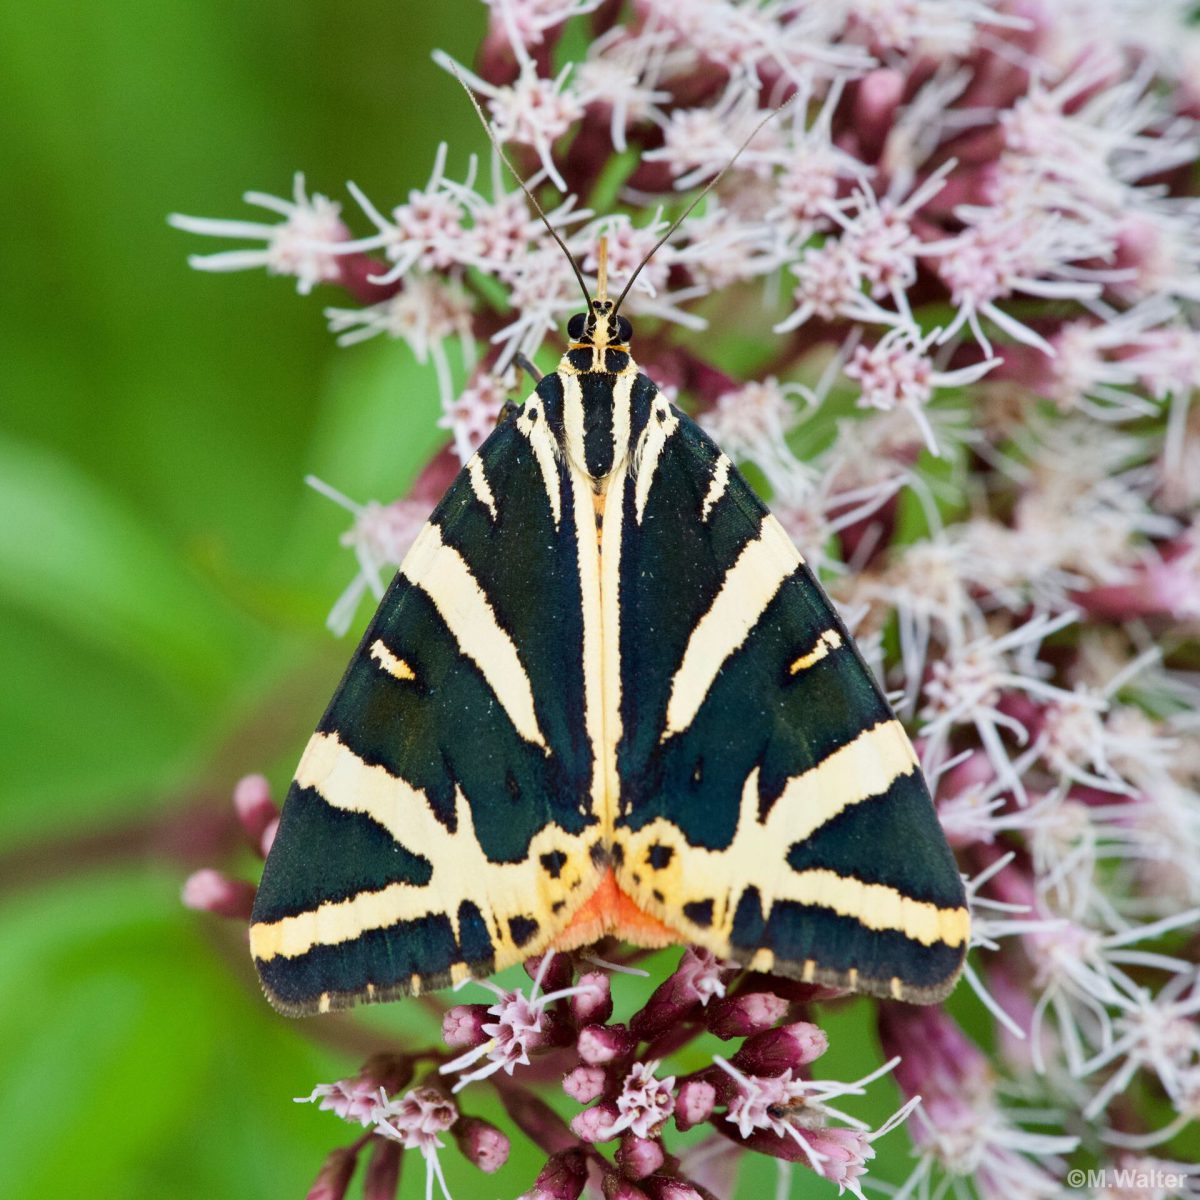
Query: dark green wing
{"points": [[772, 808], [440, 821]]}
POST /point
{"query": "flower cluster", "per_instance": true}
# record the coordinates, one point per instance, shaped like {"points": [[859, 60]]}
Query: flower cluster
{"points": [[963, 264]]}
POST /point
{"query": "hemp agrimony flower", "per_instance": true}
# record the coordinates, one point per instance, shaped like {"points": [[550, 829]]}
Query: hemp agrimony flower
{"points": [[944, 310]]}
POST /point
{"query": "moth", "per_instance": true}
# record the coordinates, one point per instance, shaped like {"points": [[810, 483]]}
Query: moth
{"points": [[604, 696]]}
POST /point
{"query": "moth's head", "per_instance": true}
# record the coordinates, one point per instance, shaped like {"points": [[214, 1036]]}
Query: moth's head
{"points": [[599, 327]]}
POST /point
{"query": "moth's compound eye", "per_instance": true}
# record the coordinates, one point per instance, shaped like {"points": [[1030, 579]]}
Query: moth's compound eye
{"points": [[577, 325], [624, 330]]}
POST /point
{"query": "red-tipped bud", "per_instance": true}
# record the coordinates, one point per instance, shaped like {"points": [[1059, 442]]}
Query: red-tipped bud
{"points": [[594, 1006], [595, 1124], [666, 1188], [334, 1176], [775, 1050], [694, 1102], [600, 1044], [462, 1026], [481, 1143], [585, 1084], [616, 1188], [639, 1156], [558, 975], [383, 1170], [743, 1015], [255, 809], [562, 1178], [392, 1072], [268, 838], [670, 1003], [213, 891]]}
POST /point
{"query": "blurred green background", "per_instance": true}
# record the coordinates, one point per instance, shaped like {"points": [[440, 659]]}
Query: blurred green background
{"points": [[165, 573]]}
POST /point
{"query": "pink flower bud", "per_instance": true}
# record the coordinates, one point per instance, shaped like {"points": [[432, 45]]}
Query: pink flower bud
{"points": [[775, 1050], [604, 1043], [391, 1072], [462, 1025], [698, 978], [665, 1188], [1168, 586], [694, 1103], [255, 809], [616, 1188], [558, 975], [585, 1084], [740, 1016], [562, 1178], [334, 1176], [537, 1120], [595, 1124], [594, 1006], [638, 1156], [481, 1143], [213, 891], [383, 1170], [879, 95]]}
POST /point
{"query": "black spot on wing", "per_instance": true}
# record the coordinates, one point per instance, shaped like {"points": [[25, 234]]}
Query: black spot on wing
{"points": [[659, 856], [699, 912], [553, 863], [522, 930], [323, 854]]}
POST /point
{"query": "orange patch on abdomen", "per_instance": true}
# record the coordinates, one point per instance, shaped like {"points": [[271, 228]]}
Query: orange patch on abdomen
{"points": [[609, 912]]}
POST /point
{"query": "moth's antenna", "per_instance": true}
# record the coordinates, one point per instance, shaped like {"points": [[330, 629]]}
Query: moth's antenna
{"points": [[712, 183], [528, 194]]}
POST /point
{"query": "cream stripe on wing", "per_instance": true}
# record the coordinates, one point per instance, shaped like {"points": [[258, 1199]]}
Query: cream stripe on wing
{"points": [[592, 649], [532, 423], [444, 576], [749, 586], [610, 613], [396, 667], [621, 418], [460, 870], [572, 410], [663, 422], [878, 906], [855, 772], [829, 641], [716, 489], [480, 485]]}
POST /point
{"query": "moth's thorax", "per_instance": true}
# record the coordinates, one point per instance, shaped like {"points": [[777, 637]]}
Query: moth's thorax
{"points": [[596, 413]]}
